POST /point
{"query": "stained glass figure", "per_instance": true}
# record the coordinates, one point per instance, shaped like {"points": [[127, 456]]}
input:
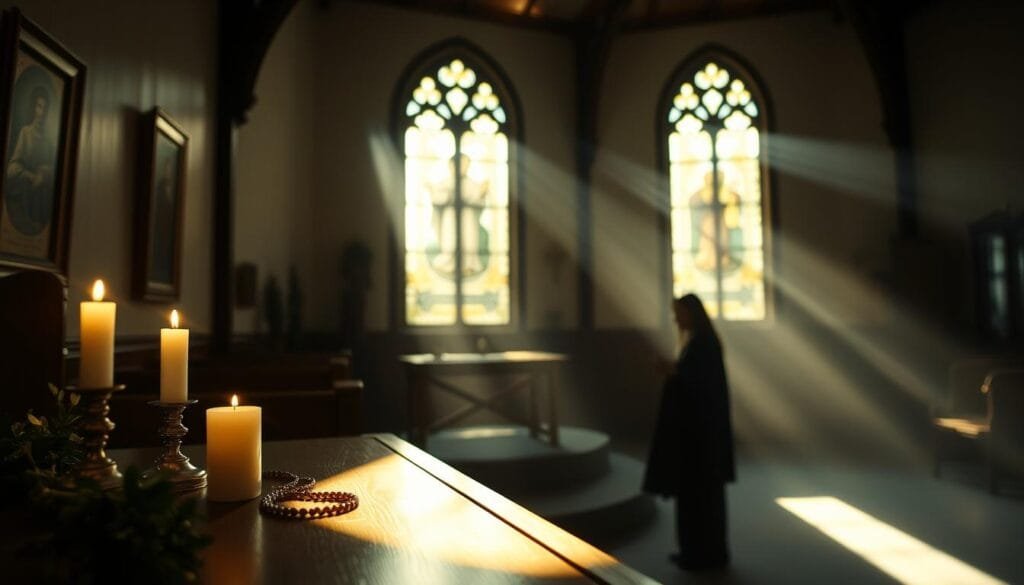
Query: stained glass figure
{"points": [[457, 219], [717, 206]]}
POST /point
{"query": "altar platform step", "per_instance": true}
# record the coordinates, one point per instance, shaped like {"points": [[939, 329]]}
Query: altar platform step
{"points": [[580, 485], [610, 505], [509, 460]]}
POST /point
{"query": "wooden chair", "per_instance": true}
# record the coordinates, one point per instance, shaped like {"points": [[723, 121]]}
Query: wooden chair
{"points": [[960, 419], [998, 433], [1005, 391], [963, 398]]}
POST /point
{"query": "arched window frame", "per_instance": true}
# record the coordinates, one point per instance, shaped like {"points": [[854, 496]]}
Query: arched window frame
{"points": [[685, 72], [426, 63]]}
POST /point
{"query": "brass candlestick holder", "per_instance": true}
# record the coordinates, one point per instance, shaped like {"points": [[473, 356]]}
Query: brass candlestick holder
{"points": [[184, 476], [96, 427]]}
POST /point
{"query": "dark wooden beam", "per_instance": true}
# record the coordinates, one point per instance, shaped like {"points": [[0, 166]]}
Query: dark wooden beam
{"points": [[482, 12], [880, 27], [246, 28], [706, 11], [593, 39]]}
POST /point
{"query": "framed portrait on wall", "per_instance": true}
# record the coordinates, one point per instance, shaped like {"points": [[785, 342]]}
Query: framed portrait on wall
{"points": [[41, 89], [160, 208]]}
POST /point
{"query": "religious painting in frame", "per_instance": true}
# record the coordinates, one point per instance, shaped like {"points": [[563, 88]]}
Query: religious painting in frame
{"points": [[41, 89], [160, 208]]}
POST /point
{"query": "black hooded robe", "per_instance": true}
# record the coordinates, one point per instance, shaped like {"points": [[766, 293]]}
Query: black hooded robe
{"points": [[691, 455]]}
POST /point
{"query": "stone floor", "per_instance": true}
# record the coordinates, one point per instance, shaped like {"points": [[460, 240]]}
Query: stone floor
{"points": [[954, 514]]}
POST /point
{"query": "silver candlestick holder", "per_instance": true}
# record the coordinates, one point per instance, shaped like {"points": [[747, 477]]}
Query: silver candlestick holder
{"points": [[172, 463], [95, 430]]}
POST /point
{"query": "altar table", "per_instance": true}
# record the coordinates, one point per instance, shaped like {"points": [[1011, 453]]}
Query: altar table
{"points": [[535, 372], [419, 522]]}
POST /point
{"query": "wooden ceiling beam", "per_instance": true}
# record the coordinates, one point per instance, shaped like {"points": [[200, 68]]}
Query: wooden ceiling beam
{"points": [[593, 38], [485, 13], [880, 27], [657, 15], [246, 29], [716, 11]]}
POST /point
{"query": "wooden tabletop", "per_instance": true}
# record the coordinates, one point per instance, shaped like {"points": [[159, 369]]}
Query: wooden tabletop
{"points": [[419, 522]]}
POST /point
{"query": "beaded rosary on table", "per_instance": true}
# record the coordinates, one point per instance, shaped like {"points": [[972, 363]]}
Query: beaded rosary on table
{"points": [[299, 489]]}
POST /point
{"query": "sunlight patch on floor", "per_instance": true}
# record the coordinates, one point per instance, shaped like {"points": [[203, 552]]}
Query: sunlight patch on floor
{"points": [[901, 556]]}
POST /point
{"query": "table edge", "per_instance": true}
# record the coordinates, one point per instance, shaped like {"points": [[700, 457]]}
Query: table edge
{"points": [[512, 513]]}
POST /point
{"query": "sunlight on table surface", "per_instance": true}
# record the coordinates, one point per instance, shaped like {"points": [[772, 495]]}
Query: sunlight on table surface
{"points": [[404, 507]]}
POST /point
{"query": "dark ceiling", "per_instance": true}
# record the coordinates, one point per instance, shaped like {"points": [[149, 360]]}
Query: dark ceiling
{"points": [[568, 15]]}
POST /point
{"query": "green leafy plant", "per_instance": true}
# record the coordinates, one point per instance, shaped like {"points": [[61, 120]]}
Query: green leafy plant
{"points": [[40, 449], [142, 533], [77, 531]]}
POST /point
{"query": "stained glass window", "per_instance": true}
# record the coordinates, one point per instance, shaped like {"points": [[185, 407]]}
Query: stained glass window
{"points": [[458, 232], [714, 128]]}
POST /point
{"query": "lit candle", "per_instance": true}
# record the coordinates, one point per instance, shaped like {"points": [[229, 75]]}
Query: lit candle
{"points": [[96, 367], [233, 459], [174, 363]]}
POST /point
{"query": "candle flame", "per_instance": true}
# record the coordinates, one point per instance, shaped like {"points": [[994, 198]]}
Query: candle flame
{"points": [[98, 290], [234, 400], [174, 319]]}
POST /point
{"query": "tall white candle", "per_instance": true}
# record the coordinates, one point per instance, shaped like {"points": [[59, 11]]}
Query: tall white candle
{"points": [[96, 366], [233, 452], [174, 363]]}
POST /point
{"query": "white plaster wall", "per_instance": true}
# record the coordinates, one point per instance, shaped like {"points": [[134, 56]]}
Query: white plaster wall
{"points": [[833, 168], [275, 193], [965, 80], [139, 54], [834, 172], [362, 50]]}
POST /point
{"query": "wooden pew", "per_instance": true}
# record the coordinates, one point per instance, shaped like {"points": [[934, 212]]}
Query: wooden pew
{"points": [[287, 414], [303, 396]]}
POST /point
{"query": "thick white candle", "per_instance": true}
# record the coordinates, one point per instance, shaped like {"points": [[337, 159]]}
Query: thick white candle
{"points": [[174, 363], [233, 452], [96, 366]]}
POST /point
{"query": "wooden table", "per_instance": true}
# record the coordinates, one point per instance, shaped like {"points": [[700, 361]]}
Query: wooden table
{"points": [[419, 522], [532, 371]]}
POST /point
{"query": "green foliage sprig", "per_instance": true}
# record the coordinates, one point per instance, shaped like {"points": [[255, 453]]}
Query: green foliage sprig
{"points": [[38, 451], [142, 533], [81, 533]]}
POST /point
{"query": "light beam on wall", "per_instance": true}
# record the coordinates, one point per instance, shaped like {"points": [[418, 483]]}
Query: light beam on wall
{"points": [[899, 555]]}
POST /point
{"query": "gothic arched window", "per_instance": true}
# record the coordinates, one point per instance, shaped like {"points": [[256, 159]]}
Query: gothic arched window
{"points": [[713, 128], [457, 133]]}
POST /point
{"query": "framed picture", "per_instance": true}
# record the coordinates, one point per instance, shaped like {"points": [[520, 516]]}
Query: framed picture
{"points": [[41, 88], [160, 208]]}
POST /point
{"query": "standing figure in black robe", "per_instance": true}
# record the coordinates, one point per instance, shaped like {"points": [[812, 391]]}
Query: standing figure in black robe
{"points": [[691, 455]]}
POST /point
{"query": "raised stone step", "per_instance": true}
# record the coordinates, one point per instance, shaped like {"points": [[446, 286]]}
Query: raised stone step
{"points": [[611, 504], [580, 485], [510, 461]]}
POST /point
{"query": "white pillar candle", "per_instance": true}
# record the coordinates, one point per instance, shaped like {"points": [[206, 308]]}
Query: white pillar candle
{"points": [[233, 452], [174, 363], [96, 334]]}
